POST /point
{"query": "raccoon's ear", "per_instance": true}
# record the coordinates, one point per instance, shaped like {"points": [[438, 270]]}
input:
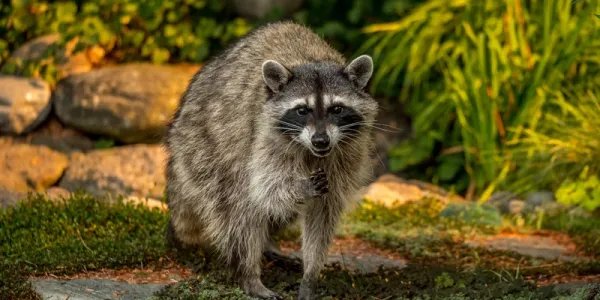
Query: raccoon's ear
{"points": [[275, 75], [360, 70]]}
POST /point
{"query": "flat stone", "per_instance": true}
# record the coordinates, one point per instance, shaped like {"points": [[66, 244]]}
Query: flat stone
{"points": [[30, 168], [132, 103], [24, 103], [533, 246], [132, 170], [391, 191], [93, 289], [364, 264]]}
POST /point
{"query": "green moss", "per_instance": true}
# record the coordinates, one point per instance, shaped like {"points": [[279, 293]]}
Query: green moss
{"points": [[13, 285], [82, 234]]}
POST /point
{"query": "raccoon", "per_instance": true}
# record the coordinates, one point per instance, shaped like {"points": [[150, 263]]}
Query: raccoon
{"points": [[276, 128]]}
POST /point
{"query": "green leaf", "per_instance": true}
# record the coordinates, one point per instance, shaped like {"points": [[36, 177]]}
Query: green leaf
{"points": [[449, 167], [65, 12], [90, 8], [160, 55]]}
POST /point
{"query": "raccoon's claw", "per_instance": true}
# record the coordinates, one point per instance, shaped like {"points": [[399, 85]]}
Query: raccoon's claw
{"points": [[319, 182], [255, 288]]}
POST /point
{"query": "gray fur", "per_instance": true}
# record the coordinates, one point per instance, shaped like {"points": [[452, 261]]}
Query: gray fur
{"points": [[233, 177]]}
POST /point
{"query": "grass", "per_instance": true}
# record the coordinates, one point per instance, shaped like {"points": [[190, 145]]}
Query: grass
{"points": [[84, 234], [474, 75]]}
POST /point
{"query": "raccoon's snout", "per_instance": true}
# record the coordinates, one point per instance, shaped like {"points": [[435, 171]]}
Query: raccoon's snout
{"points": [[320, 140]]}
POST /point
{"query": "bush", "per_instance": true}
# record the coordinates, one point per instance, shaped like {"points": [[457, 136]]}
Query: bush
{"points": [[475, 75], [164, 31]]}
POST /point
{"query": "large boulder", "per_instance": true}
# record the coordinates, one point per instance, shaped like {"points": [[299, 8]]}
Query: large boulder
{"points": [[132, 103], [132, 170], [27, 168], [24, 103]]}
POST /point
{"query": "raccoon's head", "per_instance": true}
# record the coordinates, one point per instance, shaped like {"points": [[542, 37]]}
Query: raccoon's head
{"points": [[320, 105]]}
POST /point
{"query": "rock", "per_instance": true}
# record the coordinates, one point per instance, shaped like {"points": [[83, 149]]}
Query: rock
{"points": [[57, 193], [10, 198], [362, 265], [35, 48], [133, 170], [516, 207], [391, 191], [473, 214], [147, 202], [93, 289], [24, 103], [69, 63], [55, 136], [257, 9], [528, 245], [30, 168], [570, 288], [132, 103], [536, 199], [507, 203]]}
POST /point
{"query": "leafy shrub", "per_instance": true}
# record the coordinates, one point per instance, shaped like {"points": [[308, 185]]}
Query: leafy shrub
{"points": [[159, 31], [475, 75], [584, 192], [165, 31], [564, 148]]}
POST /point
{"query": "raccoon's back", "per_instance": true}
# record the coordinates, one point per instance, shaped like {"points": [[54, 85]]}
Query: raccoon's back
{"points": [[216, 121]]}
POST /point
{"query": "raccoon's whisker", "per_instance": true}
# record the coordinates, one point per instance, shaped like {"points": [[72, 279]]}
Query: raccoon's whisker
{"points": [[287, 130], [374, 125], [290, 145], [293, 125]]}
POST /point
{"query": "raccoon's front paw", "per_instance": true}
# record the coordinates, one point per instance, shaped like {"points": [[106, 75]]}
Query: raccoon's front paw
{"points": [[319, 183]]}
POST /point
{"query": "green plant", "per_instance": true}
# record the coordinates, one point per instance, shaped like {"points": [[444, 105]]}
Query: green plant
{"points": [[83, 233], [126, 30], [584, 192], [474, 75], [164, 31], [565, 144]]}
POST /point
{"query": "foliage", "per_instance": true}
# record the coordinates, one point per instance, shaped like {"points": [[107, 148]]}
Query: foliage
{"points": [[160, 31], [14, 285], [84, 233], [164, 31], [475, 74], [584, 192], [564, 145]]}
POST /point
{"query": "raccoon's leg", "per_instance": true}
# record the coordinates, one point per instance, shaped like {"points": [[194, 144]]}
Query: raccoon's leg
{"points": [[184, 236], [273, 252], [320, 219], [248, 246]]}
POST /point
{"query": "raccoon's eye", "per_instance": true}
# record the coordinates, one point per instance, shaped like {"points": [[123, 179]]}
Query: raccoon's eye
{"points": [[337, 110], [302, 111]]}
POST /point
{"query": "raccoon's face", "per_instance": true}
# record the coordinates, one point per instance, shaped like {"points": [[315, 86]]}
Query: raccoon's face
{"points": [[320, 105]]}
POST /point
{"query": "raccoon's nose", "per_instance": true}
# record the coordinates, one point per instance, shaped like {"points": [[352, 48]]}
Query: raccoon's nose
{"points": [[320, 141]]}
